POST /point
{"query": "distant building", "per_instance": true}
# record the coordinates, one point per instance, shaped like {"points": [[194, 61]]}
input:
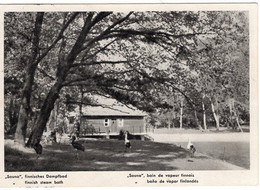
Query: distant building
{"points": [[111, 119]]}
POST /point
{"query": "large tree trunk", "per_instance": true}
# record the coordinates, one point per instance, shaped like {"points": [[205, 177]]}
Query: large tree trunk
{"points": [[44, 114], [51, 122], [216, 117], [181, 113], [13, 117], [81, 104], [61, 73], [236, 116], [231, 113], [63, 68], [20, 132], [173, 125], [56, 109], [237, 120], [196, 119], [169, 123], [30, 71], [24, 110], [10, 112], [204, 113]]}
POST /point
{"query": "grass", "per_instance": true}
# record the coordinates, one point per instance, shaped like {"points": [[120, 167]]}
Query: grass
{"points": [[100, 155], [110, 155], [236, 153], [233, 152], [210, 130], [229, 146]]}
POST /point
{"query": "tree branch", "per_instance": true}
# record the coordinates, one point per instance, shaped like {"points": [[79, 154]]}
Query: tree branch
{"points": [[97, 105], [101, 49], [58, 37], [76, 49], [99, 63], [45, 74], [96, 76], [126, 89], [162, 80], [100, 17], [99, 37], [36, 36], [151, 35]]}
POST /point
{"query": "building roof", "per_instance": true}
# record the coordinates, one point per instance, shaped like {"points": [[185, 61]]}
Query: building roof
{"points": [[109, 107], [112, 111]]}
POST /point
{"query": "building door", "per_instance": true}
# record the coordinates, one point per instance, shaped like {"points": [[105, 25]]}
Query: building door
{"points": [[120, 124], [113, 126]]}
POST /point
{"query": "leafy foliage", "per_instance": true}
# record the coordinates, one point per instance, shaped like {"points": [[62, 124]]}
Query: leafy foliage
{"points": [[151, 60]]}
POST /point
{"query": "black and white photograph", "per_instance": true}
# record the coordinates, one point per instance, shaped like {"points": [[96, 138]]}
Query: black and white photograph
{"points": [[127, 90]]}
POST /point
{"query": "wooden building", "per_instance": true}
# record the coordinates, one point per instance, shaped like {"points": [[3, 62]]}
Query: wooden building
{"points": [[100, 120], [135, 124]]}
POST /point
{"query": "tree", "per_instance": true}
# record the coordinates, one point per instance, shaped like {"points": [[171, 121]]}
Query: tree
{"points": [[216, 67], [221, 62], [31, 63], [136, 58]]}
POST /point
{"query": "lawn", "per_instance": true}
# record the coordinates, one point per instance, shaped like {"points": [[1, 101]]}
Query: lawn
{"points": [[232, 147], [110, 155], [236, 153]]}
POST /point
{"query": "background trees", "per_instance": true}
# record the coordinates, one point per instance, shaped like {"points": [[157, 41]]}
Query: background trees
{"points": [[167, 62]]}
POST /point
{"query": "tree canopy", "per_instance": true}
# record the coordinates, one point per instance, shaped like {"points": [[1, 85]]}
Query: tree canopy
{"points": [[151, 60]]}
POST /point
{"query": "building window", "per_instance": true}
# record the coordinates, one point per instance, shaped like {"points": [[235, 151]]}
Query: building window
{"points": [[106, 122], [120, 122]]}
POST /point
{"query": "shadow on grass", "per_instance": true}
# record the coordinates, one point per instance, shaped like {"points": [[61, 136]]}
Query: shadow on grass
{"points": [[100, 155]]}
